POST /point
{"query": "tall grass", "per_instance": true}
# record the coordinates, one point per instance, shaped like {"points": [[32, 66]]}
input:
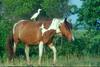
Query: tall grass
{"points": [[70, 61]]}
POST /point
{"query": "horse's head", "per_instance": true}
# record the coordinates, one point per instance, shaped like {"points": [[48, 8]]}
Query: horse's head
{"points": [[66, 30]]}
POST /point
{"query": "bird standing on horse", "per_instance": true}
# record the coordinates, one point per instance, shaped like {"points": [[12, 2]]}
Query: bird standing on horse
{"points": [[35, 15]]}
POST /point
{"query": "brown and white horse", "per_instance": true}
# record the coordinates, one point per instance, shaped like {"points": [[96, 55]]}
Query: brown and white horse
{"points": [[38, 32]]}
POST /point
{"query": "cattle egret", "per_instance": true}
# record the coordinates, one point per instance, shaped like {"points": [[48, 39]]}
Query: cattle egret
{"points": [[36, 14]]}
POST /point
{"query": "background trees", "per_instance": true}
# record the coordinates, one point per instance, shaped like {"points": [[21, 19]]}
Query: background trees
{"points": [[89, 12], [25, 8], [55, 8]]}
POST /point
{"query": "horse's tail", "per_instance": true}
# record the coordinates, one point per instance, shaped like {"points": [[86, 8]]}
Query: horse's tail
{"points": [[9, 46]]}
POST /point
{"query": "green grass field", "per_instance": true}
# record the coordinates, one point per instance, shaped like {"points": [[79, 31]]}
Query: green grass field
{"points": [[70, 61]]}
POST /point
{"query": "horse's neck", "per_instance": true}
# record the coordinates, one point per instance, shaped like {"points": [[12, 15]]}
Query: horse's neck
{"points": [[56, 23], [52, 24]]}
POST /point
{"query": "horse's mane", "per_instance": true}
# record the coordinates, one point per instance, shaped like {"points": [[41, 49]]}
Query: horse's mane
{"points": [[68, 25]]}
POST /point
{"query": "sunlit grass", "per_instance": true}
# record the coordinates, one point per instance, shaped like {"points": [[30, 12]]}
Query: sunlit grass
{"points": [[71, 61]]}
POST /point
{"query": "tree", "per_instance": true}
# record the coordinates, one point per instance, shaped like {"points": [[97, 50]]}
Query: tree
{"points": [[55, 8], [20, 8], [15, 9], [89, 12]]}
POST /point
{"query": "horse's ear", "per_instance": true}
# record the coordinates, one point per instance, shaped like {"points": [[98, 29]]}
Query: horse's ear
{"points": [[65, 20]]}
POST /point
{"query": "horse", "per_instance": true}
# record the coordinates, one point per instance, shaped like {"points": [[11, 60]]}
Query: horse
{"points": [[32, 33]]}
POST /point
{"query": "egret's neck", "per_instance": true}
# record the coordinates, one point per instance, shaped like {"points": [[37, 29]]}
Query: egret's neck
{"points": [[38, 11]]}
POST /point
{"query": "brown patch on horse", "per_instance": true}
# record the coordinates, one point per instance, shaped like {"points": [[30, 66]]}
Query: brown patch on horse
{"points": [[46, 23], [47, 36], [28, 32]]}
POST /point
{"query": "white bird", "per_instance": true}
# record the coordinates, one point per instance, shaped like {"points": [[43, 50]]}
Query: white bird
{"points": [[36, 14]]}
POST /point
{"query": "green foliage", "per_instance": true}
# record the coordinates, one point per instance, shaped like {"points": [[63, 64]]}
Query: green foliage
{"points": [[20, 8], [88, 43], [89, 12], [88, 15], [15, 9], [55, 8]]}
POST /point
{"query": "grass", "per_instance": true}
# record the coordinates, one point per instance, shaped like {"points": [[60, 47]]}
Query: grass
{"points": [[71, 61]]}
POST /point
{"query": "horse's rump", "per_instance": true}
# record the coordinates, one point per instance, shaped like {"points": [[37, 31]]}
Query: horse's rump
{"points": [[28, 32]]}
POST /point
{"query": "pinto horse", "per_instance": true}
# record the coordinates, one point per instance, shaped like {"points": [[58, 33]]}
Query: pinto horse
{"points": [[38, 32]]}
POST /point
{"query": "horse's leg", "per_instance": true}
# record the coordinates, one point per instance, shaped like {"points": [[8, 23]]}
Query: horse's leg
{"points": [[40, 51], [14, 47], [27, 54], [52, 47]]}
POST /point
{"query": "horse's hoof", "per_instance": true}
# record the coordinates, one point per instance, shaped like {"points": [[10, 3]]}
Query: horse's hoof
{"points": [[53, 65], [39, 65], [29, 65]]}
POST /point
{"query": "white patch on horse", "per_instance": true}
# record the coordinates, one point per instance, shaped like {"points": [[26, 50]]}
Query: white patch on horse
{"points": [[58, 30], [73, 37], [54, 25], [43, 29]]}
